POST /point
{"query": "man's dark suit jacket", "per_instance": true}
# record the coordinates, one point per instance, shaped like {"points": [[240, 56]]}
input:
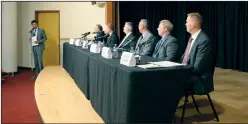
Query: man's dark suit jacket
{"points": [[99, 36], [129, 42], [41, 37], [201, 58], [167, 49], [112, 40], [145, 45]]}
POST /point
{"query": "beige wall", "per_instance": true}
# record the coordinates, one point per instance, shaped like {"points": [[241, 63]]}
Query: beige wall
{"points": [[9, 37], [75, 19]]}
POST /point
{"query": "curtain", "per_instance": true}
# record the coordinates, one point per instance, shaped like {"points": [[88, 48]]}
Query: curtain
{"points": [[224, 22]]}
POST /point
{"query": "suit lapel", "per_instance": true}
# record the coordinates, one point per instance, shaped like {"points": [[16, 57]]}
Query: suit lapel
{"points": [[139, 41], [110, 37], [194, 45], [161, 44], [127, 40], [38, 33], [144, 38], [164, 41]]}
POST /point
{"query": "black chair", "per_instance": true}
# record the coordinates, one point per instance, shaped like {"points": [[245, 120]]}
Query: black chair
{"points": [[191, 93]]}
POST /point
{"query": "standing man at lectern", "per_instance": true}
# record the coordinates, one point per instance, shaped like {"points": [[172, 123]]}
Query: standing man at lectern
{"points": [[37, 39]]}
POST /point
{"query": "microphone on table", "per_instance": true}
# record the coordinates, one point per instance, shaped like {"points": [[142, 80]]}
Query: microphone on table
{"points": [[103, 37], [85, 34]]}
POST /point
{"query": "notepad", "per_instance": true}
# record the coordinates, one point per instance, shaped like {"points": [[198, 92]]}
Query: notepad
{"points": [[34, 38], [148, 66], [166, 63]]}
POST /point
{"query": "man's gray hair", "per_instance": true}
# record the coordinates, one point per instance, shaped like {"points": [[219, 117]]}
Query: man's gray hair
{"points": [[167, 24], [145, 22], [130, 26]]}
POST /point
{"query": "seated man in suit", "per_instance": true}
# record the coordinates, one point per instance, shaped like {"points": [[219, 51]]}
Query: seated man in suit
{"points": [[199, 54], [129, 40], [145, 43], [99, 33], [167, 47], [112, 36]]}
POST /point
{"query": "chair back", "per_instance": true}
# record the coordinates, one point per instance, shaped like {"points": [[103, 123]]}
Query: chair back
{"points": [[214, 58]]}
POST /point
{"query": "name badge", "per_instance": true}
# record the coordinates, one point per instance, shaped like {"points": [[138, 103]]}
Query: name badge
{"points": [[94, 48], [78, 42], [128, 59], [106, 53], [71, 41]]}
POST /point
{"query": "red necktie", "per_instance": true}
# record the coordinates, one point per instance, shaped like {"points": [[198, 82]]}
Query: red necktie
{"points": [[186, 53]]}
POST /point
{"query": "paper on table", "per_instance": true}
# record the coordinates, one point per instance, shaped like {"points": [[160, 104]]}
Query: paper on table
{"points": [[147, 66], [34, 38], [166, 63]]}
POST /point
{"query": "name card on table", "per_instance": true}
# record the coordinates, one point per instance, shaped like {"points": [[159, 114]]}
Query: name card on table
{"points": [[128, 59], [78, 42], [85, 44], [71, 41], [106, 53], [94, 48]]}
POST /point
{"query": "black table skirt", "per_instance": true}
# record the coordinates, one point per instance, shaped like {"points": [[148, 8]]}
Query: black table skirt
{"points": [[121, 94], [75, 62]]}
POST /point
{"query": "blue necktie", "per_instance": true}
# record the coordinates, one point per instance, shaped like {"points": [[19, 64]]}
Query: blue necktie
{"points": [[157, 47]]}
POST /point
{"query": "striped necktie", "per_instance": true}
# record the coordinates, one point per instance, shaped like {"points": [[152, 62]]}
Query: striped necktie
{"points": [[34, 32], [187, 51], [138, 43]]}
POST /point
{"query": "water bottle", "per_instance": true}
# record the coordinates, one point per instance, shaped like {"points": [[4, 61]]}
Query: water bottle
{"points": [[115, 47], [100, 45], [132, 50], [115, 52]]}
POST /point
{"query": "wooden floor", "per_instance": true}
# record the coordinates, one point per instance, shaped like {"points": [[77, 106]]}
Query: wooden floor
{"points": [[230, 99], [59, 100]]}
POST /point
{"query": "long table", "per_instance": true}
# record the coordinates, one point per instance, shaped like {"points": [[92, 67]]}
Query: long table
{"points": [[121, 94], [75, 62]]}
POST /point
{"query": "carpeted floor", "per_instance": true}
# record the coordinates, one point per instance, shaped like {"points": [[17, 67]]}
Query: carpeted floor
{"points": [[18, 102], [230, 99]]}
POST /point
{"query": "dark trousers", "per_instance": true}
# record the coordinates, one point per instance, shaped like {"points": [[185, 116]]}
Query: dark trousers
{"points": [[38, 61]]}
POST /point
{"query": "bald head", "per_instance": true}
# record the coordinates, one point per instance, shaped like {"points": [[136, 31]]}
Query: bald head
{"points": [[143, 25]]}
